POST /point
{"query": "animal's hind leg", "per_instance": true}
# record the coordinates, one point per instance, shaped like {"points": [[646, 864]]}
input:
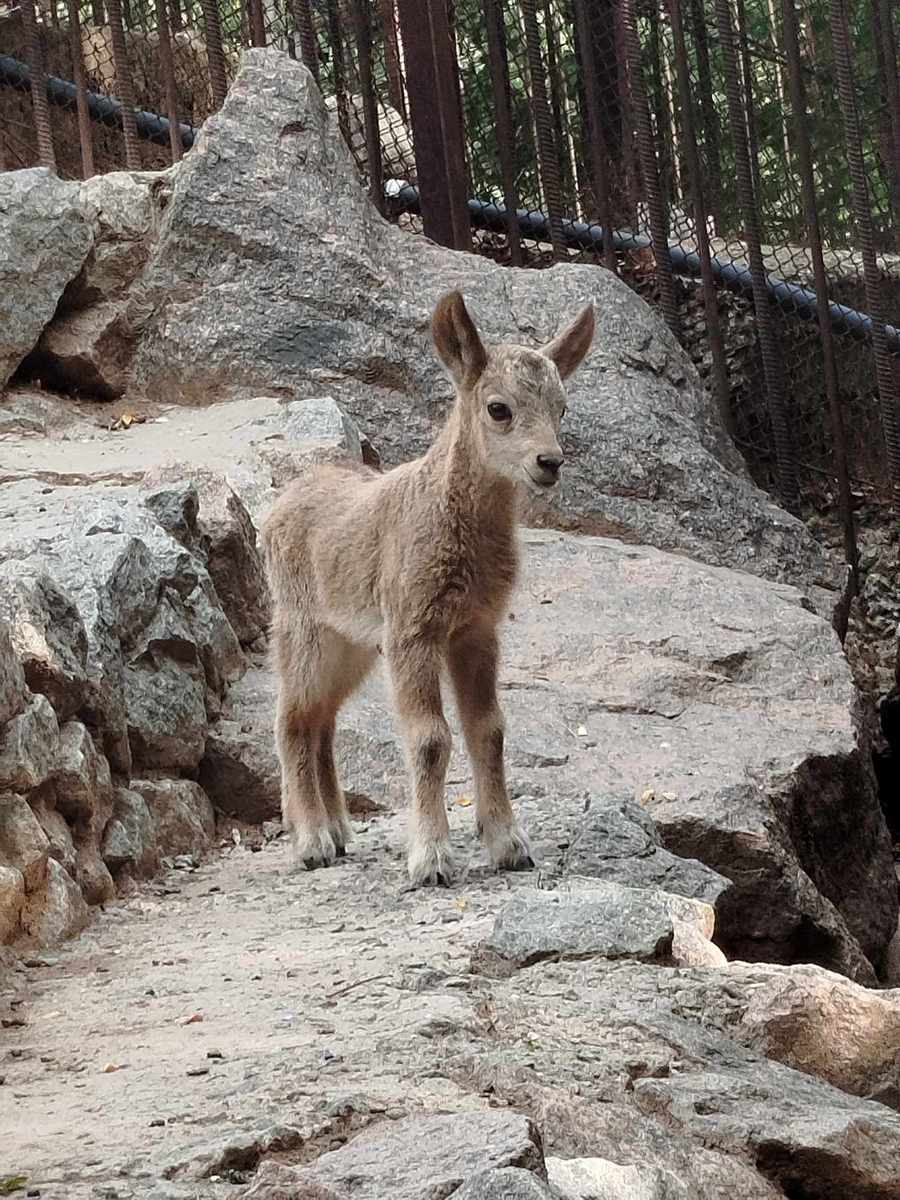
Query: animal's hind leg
{"points": [[345, 665], [297, 728]]}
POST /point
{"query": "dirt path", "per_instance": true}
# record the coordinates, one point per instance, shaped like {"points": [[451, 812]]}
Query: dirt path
{"points": [[310, 988]]}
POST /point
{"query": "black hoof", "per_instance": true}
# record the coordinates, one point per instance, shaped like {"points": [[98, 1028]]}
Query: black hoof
{"points": [[340, 851]]}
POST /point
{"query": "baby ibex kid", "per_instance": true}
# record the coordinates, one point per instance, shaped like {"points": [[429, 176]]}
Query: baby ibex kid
{"points": [[420, 562]]}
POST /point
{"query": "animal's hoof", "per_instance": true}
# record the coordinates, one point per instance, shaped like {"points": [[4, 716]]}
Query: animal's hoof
{"points": [[509, 849], [314, 848], [431, 865], [340, 851]]}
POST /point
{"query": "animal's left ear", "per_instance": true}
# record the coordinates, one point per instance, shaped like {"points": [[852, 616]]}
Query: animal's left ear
{"points": [[567, 350]]}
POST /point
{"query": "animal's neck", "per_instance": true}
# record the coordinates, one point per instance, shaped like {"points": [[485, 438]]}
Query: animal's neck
{"points": [[468, 491]]}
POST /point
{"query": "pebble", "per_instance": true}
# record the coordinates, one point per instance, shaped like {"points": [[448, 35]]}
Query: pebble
{"points": [[214, 1054], [197, 1071]]}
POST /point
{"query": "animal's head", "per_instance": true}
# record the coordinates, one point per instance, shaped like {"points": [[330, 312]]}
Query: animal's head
{"points": [[511, 395]]}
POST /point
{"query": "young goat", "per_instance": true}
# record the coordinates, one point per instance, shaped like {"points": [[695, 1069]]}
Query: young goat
{"points": [[419, 561]]}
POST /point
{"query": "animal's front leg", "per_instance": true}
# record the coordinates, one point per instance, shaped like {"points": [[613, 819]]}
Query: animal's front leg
{"points": [[472, 658], [415, 674]]}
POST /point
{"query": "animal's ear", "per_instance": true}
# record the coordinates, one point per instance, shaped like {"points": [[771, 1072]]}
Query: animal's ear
{"points": [[567, 350], [456, 340]]}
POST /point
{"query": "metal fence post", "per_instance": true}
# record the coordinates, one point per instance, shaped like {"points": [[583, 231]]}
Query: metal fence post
{"points": [[85, 136], [167, 64], [499, 64], [123, 83], [548, 158], [710, 298], [369, 101], [773, 368], [659, 232], [435, 111], [38, 75], [594, 120], [215, 55], [862, 213], [803, 152]]}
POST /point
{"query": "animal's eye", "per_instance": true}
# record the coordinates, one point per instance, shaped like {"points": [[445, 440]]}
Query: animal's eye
{"points": [[499, 412]]}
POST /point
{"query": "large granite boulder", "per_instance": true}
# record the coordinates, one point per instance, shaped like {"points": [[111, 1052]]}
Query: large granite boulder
{"points": [[44, 240]]}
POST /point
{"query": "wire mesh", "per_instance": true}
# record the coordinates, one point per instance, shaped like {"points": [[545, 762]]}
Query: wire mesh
{"points": [[599, 131]]}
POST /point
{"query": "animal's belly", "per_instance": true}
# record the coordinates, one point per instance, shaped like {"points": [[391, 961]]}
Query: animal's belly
{"points": [[363, 627]]}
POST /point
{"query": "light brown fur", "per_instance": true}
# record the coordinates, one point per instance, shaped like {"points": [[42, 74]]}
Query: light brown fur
{"points": [[419, 561]]}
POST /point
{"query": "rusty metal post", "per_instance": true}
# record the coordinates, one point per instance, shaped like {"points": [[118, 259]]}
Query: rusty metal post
{"points": [[435, 110], [773, 368], [596, 140], [167, 64], [338, 70], [803, 153], [256, 24], [38, 76], [711, 130], [309, 46], [721, 387], [500, 86], [659, 233], [749, 105], [548, 159], [387, 11], [124, 90], [85, 136], [370, 103], [215, 54], [862, 214], [554, 78], [886, 54]]}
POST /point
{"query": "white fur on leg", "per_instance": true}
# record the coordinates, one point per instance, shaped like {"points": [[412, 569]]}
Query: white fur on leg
{"points": [[311, 848], [508, 847], [430, 862]]}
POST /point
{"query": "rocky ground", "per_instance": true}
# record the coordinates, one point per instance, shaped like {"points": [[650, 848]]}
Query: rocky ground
{"points": [[696, 993]]}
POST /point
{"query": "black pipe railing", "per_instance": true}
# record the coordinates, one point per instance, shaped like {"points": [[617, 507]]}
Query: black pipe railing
{"points": [[577, 235], [102, 109]]}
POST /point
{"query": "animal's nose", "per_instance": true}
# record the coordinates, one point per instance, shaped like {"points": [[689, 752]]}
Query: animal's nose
{"points": [[550, 463]]}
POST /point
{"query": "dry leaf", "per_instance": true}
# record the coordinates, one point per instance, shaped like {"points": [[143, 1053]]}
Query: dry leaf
{"points": [[581, 731], [193, 1019], [647, 796], [109, 1068], [461, 903], [463, 801], [669, 796]]}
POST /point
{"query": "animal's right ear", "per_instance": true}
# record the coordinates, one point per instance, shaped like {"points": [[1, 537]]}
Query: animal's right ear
{"points": [[456, 340]]}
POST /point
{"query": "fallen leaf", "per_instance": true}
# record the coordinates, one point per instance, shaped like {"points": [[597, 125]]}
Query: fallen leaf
{"points": [[109, 1068], [669, 796], [461, 903], [581, 730], [647, 796], [463, 801], [12, 1183], [193, 1019]]}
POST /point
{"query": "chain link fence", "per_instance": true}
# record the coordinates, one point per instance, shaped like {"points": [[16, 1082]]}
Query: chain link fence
{"points": [[737, 162]]}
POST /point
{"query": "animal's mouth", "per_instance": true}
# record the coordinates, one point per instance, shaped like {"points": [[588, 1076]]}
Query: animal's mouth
{"points": [[540, 487]]}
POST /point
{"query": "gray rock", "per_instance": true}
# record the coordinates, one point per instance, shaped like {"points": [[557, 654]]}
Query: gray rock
{"points": [[165, 702], [56, 910], [87, 345], [223, 529], [129, 840], [226, 314], [425, 1155], [618, 841], [609, 921], [504, 1183], [13, 692], [239, 770], [23, 844], [600, 1179], [44, 239], [53, 823], [48, 635], [657, 1079], [82, 783], [160, 651], [28, 747], [12, 900], [92, 875], [182, 815]]}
